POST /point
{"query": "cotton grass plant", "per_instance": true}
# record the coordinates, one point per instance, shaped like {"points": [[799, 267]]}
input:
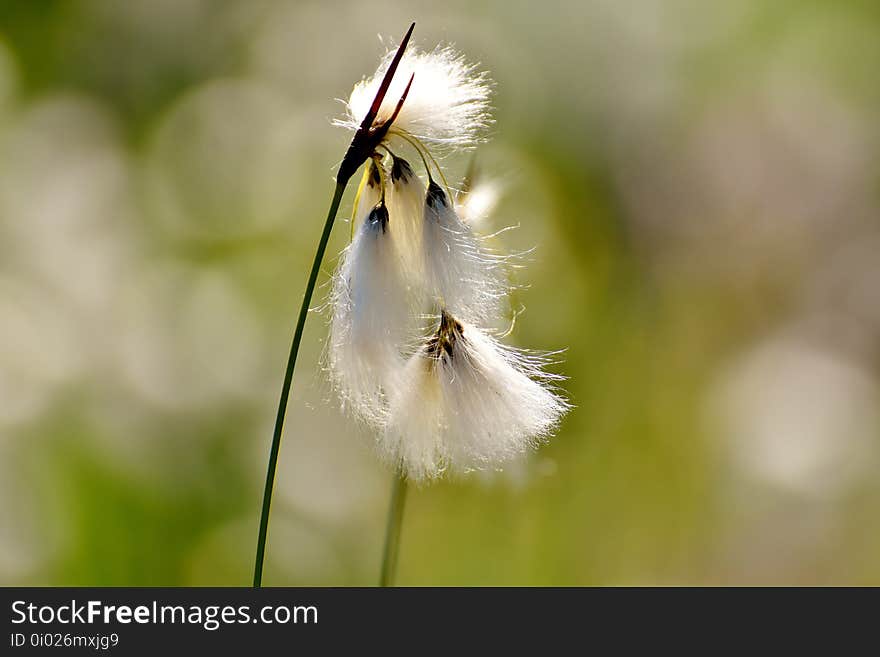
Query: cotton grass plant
{"points": [[411, 353]]}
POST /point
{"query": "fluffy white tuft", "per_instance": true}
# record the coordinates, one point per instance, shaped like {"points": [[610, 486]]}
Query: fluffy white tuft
{"points": [[458, 400], [466, 402], [460, 272], [448, 103], [371, 314]]}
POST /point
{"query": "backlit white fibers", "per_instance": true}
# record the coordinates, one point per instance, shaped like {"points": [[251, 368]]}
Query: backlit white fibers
{"points": [[406, 198], [452, 398], [466, 402], [447, 105], [461, 274], [370, 312]]}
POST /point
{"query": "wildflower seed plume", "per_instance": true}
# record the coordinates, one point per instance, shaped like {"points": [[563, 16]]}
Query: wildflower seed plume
{"points": [[465, 402], [447, 105], [370, 310], [450, 396], [461, 273]]}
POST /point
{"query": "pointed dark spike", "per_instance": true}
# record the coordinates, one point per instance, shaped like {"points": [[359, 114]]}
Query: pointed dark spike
{"points": [[386, 81], [402, 99], [366, 138], [379, 133]]}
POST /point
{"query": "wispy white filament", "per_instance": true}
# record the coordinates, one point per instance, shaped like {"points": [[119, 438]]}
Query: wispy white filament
{"points": [[448, 103], [466, 402]]}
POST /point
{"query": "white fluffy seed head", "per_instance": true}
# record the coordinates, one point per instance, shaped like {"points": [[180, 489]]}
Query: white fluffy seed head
{"points": [[460, 272], [370, 313], [458, 400], [466, 402], [447, 105]]}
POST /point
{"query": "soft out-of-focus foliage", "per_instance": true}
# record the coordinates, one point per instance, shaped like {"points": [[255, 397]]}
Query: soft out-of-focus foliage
{"points": [[702, 181]]}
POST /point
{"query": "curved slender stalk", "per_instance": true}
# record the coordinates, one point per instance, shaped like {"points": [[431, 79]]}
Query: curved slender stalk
{"points": [[392, 532], [362, 146], [288, 378]]}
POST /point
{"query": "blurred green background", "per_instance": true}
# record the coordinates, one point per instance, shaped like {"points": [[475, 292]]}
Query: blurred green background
{"points": [[702, 183]]}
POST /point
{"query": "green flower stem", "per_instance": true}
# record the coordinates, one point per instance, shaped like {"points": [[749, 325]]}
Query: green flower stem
{"points": [[392, 532], [288, 378]]}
